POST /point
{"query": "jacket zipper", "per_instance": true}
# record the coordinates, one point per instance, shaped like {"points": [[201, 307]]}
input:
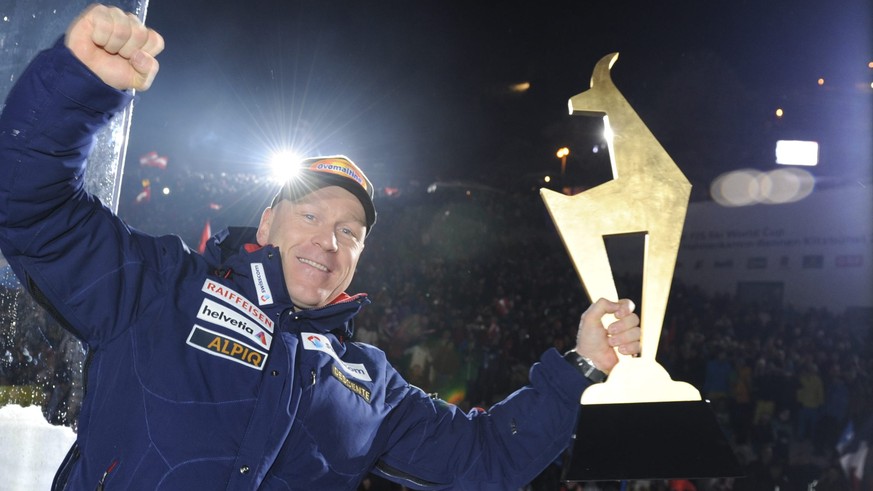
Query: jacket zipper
{"points": [[102, 480], [66, 468]]}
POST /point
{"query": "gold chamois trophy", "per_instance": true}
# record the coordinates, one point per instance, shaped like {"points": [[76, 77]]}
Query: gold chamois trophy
{"points": [[639, 423]]}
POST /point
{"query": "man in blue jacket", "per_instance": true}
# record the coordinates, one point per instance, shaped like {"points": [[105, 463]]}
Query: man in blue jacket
{"points": [[235, 370]]}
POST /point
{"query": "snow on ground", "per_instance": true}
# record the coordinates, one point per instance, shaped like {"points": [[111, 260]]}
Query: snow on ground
{"points": [[31, 449]]}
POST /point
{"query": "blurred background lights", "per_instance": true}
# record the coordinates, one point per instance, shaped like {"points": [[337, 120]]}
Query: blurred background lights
{"points": [[562, 154], [749, 187], [797, 152], [780, 112], [785, 185], [738, 188], [520, 87], [166, 191], [283, 165]]}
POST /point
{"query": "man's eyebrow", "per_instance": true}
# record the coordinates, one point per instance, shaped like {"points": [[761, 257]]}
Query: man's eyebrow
{"points": [[356, 220]]}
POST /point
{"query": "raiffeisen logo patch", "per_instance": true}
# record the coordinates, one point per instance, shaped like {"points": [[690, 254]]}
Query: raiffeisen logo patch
{"points": [[265, 296], [233, 298]]}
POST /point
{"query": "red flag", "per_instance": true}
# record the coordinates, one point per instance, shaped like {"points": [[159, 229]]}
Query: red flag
{"points": [[144, 196], [152, 159], [204, 237]]}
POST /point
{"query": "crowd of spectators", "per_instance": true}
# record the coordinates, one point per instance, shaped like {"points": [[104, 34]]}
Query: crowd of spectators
{"points": [[481, 282], [469, 288]]}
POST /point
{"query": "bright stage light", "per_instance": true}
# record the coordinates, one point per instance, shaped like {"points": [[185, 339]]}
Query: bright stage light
{"points": [[284, 165]]}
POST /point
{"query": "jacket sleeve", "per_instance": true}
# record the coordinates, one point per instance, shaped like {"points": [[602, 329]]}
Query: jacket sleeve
{"points": [[73, 254], [434, 445]]}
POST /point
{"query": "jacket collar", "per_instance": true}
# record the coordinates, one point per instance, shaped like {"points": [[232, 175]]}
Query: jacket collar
{"points": [[234, 251]]}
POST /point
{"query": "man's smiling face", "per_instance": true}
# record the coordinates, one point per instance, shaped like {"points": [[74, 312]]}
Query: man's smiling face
{"points": [[320, 238]]}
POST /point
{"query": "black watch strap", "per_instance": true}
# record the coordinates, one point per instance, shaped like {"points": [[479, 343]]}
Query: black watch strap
{"points": [[585, 366]]}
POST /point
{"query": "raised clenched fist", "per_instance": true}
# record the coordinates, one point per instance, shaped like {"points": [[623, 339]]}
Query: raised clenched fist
{"points": [[116, 46]]}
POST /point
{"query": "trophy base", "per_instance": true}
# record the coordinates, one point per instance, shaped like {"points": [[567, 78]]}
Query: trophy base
{"points": [[651, 440]]}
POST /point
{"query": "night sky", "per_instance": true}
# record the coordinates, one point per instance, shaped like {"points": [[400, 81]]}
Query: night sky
{"points": [[420, 91]]}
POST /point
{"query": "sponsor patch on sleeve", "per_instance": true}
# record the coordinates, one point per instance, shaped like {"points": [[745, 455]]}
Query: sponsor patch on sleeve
{"points": [[358, 389], [318, 342], [225, 347]]}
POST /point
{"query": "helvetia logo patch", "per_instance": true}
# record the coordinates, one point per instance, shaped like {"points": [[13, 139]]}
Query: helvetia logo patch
{"points": [[226, 317]]}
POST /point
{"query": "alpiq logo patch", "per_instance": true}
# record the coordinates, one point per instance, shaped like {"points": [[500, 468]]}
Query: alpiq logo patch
{"points": [[225, 347]]}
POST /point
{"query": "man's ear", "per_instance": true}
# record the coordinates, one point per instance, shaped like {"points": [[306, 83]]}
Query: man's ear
{"points": [[264, 227]]}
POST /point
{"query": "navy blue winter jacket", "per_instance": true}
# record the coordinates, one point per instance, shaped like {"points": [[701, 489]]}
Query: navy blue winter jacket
{"points": [[197, 380]]}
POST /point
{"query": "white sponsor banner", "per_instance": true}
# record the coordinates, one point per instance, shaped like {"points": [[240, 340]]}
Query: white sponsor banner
{"points": [[217, 314], [240, 302], [318, 342], [820, 249], [265, 296]]}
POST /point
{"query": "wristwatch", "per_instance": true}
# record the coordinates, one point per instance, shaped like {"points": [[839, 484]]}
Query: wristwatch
{"points": [[585, 366]]}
